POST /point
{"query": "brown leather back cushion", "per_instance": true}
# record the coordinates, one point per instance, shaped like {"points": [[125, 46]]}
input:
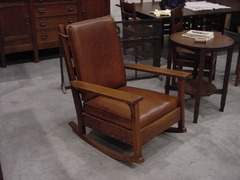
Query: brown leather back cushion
{"points": [[97, 52]]}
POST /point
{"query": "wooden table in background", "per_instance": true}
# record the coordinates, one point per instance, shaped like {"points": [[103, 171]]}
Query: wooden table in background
{"points": [[144, 9], [218, 15], [199, 87]]}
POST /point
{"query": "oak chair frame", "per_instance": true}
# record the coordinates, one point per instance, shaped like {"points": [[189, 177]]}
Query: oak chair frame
{"points": [[135, 28], [135, 137]]}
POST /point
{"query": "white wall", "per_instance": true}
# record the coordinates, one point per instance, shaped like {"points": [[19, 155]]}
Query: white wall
{"points": [[115, 11]]}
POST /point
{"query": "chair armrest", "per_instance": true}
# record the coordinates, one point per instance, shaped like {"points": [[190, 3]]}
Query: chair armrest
{"points": [[158, 70], [107, 92]]}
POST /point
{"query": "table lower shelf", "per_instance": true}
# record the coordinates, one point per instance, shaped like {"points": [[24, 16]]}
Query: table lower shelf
{"points": [[207, 88]]}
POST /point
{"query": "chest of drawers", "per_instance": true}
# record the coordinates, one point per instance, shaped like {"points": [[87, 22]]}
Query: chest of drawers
{"points": [[47, 16], [31, 25]]}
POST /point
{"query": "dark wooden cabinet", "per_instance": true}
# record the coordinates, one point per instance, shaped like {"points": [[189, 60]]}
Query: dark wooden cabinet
{"points": [[16, 31], [32, 24]]}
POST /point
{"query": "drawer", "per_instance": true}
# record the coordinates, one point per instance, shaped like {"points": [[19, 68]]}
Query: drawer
{"points": [[53, 22], [46, 36], [55, 9], [15, 40], [50, 1]]}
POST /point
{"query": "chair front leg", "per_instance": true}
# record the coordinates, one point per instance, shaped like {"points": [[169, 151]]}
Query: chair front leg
{"points": [[181, 101], [137, 139], [80, 128]]}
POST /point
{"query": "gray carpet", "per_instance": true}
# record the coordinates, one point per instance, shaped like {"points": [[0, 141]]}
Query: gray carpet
{"points": [[37, 143]]}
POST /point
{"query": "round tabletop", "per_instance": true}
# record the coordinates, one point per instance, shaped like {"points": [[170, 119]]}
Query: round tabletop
{"points": [[218, 42]]}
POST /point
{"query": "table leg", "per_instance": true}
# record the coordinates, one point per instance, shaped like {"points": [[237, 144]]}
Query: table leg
{"points": [[1, 174], [169, 66], [226, 78], [201, 58], [238, 69], [3, 62], [157, 53], [157, 49]]}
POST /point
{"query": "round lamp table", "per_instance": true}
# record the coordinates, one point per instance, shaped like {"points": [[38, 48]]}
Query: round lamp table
{"points": [[199, 87]]}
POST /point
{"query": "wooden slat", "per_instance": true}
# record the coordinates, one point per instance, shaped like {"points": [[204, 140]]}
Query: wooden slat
{"points": [[107, 92], [157, 70]]}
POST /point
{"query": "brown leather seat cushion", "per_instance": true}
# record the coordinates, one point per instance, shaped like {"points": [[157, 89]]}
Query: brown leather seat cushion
{"points": [[153, 106]]}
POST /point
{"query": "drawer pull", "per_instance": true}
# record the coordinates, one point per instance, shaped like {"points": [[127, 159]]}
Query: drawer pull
{"points": [[27, 21], [84, 13], [70, 20], [43, 23], [70, 8], [40, 0], [41, 10], [44, 36]]}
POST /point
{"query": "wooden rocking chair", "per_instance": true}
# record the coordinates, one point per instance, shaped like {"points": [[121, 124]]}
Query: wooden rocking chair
{"points": [[102, 99]]}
